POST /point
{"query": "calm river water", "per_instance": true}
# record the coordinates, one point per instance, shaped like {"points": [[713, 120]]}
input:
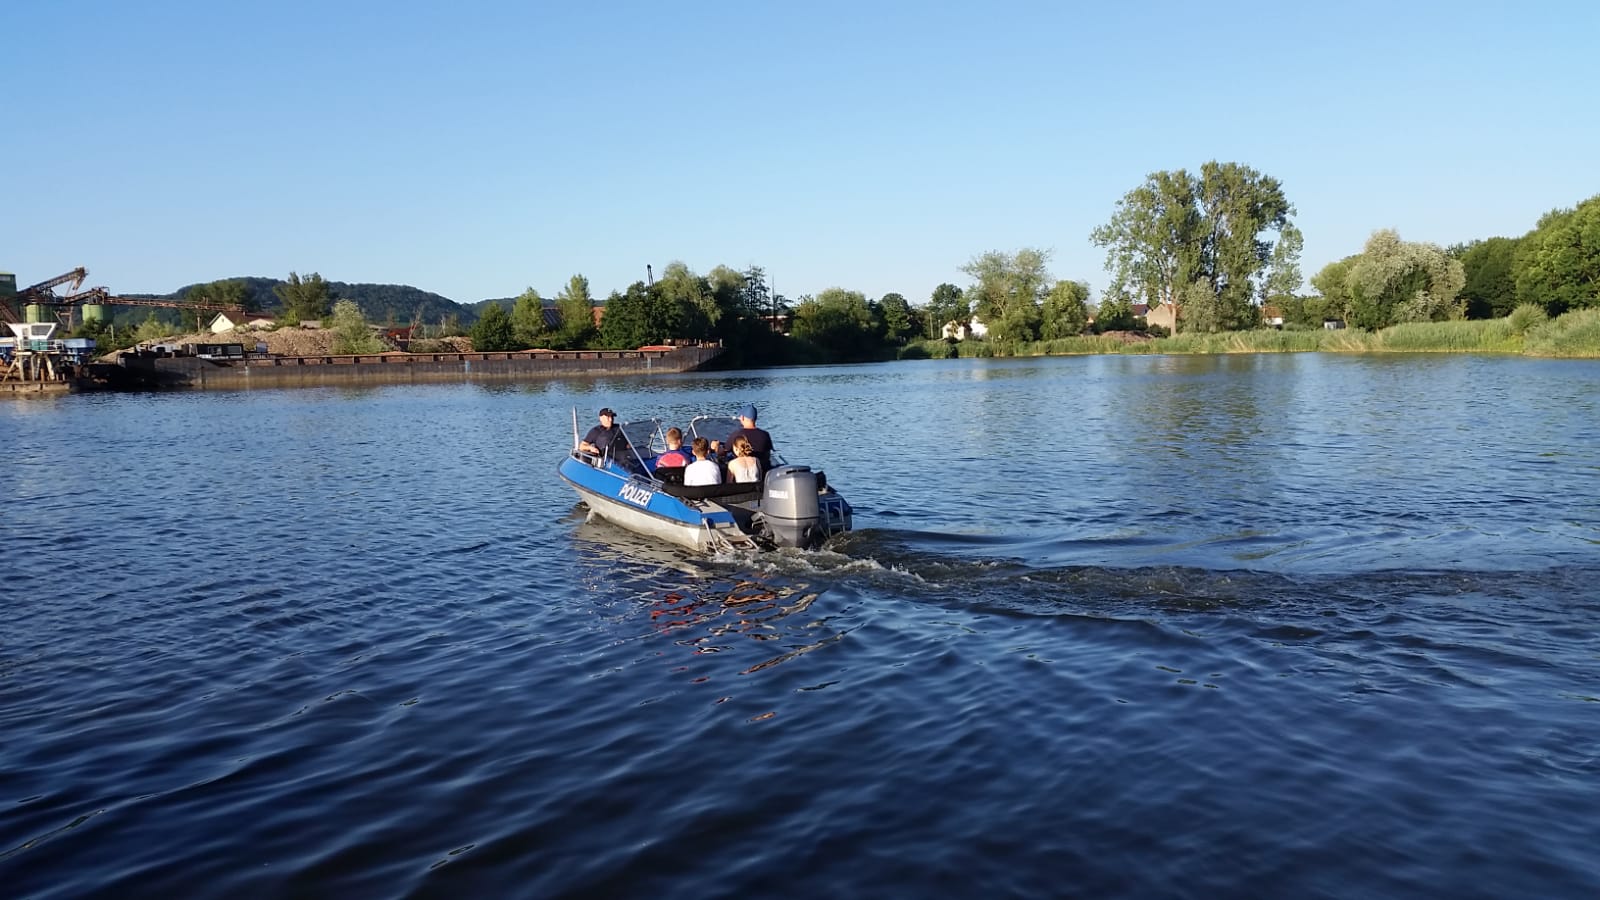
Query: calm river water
{"points": [[1256, 626]]}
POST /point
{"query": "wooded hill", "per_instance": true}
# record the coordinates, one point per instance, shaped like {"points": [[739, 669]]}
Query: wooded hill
{"points": [[383, 304]]}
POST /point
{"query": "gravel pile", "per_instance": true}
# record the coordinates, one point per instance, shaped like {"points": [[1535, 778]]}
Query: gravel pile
{"points": [[294, 342]]}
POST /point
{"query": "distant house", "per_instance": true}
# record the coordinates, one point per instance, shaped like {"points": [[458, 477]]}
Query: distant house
{"points": [[224, 322], [1333, 324], [1272, 317], [972, 328], [1141, 309], [1164, 315], [399, 337]]}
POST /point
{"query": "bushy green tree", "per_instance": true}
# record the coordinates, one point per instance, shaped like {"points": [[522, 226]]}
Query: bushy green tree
{"points": [[1490, 291], [756, 299], [839, 324], [1115, 312], [627, 322], [899, 319], [1283, 279], [683, 305], [152, 328], [527, 319], [493, 330], [1558, 263], [351, 333], [1392, 281], [947, 304], [728, 293], [304, 298], [1202, 309], [1066, 310], [576, 308], [1006, 291]]}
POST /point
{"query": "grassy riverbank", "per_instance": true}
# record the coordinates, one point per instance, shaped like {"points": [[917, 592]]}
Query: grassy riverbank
{"points": [[1526, 331]]}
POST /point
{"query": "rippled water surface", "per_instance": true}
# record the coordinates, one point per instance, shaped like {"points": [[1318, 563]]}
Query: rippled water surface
{"points": [[1260, 626]]}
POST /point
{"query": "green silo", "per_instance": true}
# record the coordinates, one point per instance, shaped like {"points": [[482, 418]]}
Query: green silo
{"points": [[95, 312], [36, 313]]}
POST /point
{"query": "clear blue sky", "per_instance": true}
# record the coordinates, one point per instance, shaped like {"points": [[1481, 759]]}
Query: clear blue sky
{"points": [[476, 149]]}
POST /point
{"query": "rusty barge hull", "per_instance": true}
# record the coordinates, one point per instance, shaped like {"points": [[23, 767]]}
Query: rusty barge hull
{"points": [[408, 368], [34, 388]]}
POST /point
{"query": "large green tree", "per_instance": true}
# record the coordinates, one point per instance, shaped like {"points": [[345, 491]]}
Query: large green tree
{"points": [[1006, 291], [839, 323], [1182, 237], [1392, 281], [527, 319], [1115, 312], [729, 289], [946, 304], [1066, 310], [304, 298], [899, 319], [351, 334], [627, 322], [759, 299], [1283, 279], [575, 306], [1491, 283], [684, 305], [494, 331], [1153, 240], [1558, 263]]}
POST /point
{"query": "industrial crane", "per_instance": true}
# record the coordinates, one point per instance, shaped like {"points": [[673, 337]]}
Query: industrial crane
{"points": [[44, 294], [35, 292]]}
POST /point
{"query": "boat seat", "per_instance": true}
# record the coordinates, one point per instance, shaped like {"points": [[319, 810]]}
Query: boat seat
{"points": [[711, 491], [670, 474]]}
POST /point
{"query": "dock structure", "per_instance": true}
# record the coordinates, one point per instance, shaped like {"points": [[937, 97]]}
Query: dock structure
{"points": [[35, 388], [34, 362], [232, 373]]}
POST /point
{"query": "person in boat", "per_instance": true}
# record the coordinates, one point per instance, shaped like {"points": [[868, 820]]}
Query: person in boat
{"points": [[606, 438], [703, 470], [675, 455], [743, 467], [760, 441]]}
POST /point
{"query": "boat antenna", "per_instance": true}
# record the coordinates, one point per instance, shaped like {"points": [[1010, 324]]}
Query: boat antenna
{"points": [[574, 428]]}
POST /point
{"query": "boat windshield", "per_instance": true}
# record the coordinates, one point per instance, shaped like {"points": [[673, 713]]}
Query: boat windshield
{"points": [[644, 435], [717, 428], [713, 428]]}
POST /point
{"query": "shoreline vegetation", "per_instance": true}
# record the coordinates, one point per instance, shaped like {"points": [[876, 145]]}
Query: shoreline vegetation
{"points": [[1203, 261], [1526, 332]]}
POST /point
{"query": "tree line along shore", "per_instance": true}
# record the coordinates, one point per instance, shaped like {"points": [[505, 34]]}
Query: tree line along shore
{"points": [[1199, 262]]}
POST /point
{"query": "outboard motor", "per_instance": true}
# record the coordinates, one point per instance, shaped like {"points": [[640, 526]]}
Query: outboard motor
{"points": [[789, 507]]}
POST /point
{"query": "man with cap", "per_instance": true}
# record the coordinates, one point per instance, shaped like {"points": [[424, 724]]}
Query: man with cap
{"points": [[606, 438], [760, 441]]}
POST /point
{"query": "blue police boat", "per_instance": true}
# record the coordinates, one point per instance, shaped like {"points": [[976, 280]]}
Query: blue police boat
{"points": [[790, 506]]}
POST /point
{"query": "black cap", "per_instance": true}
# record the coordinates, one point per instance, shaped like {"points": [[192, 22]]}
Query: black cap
{"points": [[606, 411]]}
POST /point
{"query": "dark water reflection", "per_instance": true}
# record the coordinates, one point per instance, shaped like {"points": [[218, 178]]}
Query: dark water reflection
{"points": [[1250, 626]]}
